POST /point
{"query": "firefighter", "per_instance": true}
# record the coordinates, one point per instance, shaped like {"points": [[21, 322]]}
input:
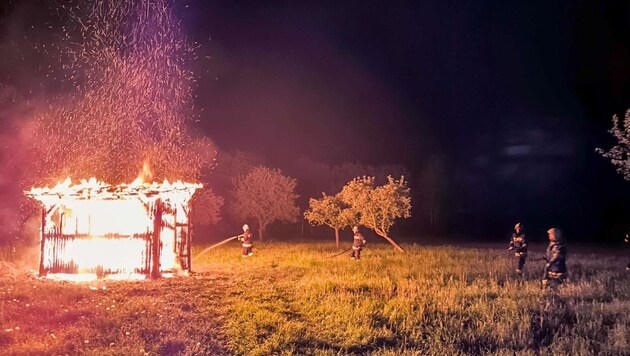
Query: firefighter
{"points": [[357, 244], [246, 238], [519, 245], [556, 268]]}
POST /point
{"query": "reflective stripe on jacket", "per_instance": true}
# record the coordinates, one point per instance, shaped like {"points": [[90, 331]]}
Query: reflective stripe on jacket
{"points": [[519, 244], [556, 259]]}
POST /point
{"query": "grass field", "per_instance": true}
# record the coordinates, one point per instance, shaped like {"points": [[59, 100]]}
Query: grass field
{"points": [[295, 299]]}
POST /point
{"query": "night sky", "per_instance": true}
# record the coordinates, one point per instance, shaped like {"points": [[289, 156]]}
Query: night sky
{"points": [[509, 98]]}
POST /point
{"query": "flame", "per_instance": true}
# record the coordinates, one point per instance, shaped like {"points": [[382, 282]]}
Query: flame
{"points": [[94, 189], [146, 174], [92, 226]]}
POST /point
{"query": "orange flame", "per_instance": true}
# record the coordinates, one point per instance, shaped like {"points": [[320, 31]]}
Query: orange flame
{"points": [[146, 174]]}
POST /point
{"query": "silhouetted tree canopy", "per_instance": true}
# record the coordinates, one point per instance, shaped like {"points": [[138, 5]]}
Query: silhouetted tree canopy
{"points": [[619, 155]]}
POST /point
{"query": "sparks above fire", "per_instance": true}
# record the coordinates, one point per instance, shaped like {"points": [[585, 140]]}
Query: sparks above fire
{"points": [[96, 230]]}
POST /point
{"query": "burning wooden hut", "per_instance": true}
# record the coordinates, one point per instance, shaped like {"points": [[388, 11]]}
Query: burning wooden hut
{"points": [[98, 230]]}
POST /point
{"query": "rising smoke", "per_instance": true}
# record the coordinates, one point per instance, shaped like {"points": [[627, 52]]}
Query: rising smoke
{"points": [[123, 98]]}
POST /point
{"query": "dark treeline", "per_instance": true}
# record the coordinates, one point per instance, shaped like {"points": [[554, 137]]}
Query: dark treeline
{"points": [[528, 178]]}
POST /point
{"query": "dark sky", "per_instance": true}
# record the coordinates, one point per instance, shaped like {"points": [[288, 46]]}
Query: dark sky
{"points": [[510, 97], [371, 80], [298, 80]]}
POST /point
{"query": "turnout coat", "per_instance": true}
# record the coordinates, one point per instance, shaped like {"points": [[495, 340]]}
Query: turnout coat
{"points": [[556, 260], [518, 244]]}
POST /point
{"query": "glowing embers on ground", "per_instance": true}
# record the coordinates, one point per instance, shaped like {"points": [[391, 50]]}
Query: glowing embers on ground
{"points": [[95, 230]]}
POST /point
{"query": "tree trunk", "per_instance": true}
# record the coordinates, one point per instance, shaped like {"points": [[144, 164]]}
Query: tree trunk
{"points": [[396, 247], [337, 237], [261, 229]]}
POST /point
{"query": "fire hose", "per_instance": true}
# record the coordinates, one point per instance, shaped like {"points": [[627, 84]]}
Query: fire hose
{"points": [[538, 259], [543, 258], [340, 253], [217, 244]]}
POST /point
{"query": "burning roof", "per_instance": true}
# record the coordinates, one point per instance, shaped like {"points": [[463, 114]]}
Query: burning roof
{"points": [[94, 189]]}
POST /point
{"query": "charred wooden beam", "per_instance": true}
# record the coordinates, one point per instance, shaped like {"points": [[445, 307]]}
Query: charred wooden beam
{"points": [[157, 242], [188, 238], [42, 272]]}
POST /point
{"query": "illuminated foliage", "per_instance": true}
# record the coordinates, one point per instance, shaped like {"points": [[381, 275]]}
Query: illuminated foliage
{"points": [[206, 207], [265, 195], [619, 155], [341, 174], [378, 206], [330, 211]]}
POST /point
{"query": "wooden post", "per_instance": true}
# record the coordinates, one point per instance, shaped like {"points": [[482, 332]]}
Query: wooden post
{"points": [[42, 272], [176, 249], [147, 252], [157, 229], [188, 238]]}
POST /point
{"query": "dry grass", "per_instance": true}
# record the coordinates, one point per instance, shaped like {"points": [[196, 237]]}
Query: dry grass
{"points": [[294, 299], [165, 317]]}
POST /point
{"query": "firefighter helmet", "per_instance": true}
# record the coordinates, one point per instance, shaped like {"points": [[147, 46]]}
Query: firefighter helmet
{"points": [[245, 227], [355, 229]]}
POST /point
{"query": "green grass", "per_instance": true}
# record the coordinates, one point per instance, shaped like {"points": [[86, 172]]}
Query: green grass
{"points": [[295, 299]]}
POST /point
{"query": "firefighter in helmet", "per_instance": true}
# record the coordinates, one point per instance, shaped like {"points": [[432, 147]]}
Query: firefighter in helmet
{"points": [[518, 244], [556, 268], [246, 238], [357, 244]]}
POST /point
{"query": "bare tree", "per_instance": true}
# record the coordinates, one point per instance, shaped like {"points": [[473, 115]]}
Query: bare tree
{"points": [[379, 206], [264, 194], [619, 155]]}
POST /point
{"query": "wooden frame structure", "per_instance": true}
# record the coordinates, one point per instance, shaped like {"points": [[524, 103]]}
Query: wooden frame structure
{"points": [[160, 243]]}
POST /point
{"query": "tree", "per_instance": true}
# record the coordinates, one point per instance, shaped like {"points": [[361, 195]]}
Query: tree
{"points": [[265, 195], [206, 207], [432, 193], [378, 206], [330, 211], [619, 155], [230, 166], [340, 174]]}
